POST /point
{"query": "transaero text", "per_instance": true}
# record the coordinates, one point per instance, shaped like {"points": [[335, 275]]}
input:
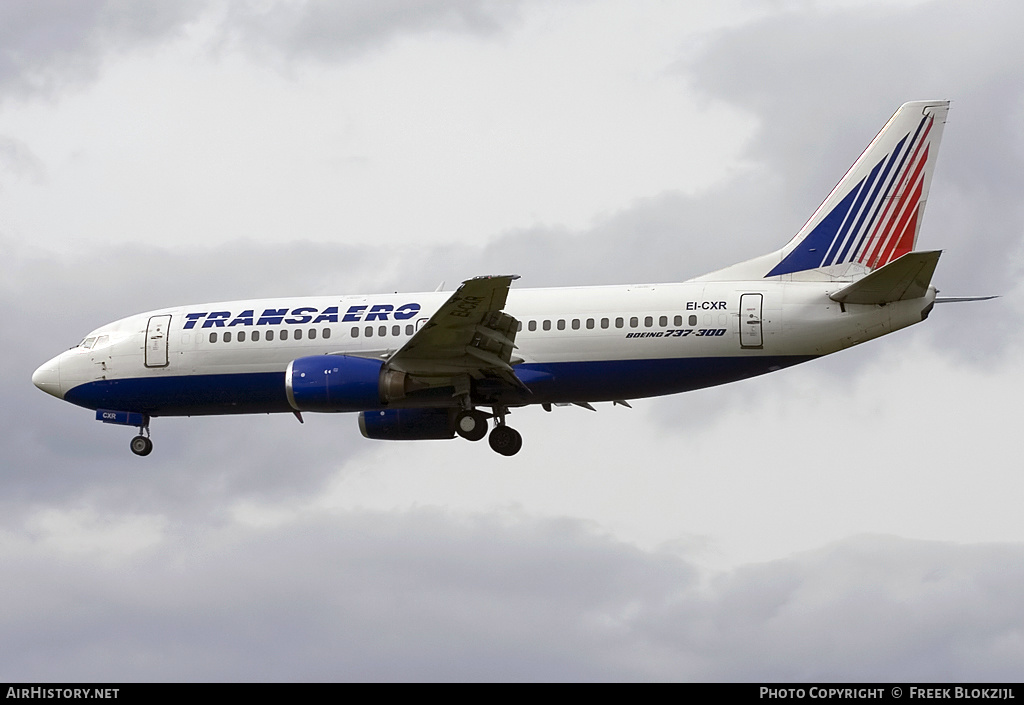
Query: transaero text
{"points": [[300, 316]]}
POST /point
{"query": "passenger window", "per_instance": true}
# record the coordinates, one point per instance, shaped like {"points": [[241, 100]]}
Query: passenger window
{"points": [[369, 331], [396, 330], [533, 325], [561, 324], [634, 322], [618, 323], [575, 324], [408, 329], [663, 321], [241, 336], [649, 321], [604, 322], [298, 334], [255, 336], [547, 325], [327, 333], [284, 334], [519, 326], [270, 335], [312, 333], [677, 321], [227, 337], [692, 320], [382, 331], [213, 337], [355, 331], [590, 323]]}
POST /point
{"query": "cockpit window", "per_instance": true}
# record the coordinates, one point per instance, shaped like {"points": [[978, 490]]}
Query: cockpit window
{"points": [[87, 343]]}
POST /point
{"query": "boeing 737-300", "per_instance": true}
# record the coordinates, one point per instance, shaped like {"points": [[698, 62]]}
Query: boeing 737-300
{"points": [[436, 365]]}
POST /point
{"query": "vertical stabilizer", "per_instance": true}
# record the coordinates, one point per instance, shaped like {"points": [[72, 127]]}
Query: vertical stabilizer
{"points": [[873, 215]]}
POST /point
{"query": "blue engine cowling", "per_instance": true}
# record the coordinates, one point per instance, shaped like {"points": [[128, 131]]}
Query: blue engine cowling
{"points": [[408, 424], [341, 383]]}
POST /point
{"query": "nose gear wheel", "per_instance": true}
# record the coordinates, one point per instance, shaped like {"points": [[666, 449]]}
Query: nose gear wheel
{"points": [[141, 445]]}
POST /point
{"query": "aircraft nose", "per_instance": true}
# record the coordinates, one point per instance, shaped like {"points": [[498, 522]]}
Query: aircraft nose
{"points": [[47, 377]]}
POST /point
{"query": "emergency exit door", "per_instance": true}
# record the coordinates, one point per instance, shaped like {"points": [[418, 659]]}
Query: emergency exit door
{"points": [[156, 341], [750, 321]]}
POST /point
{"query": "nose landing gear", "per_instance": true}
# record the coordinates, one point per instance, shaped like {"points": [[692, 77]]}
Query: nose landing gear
{"points": [[141, 444]]}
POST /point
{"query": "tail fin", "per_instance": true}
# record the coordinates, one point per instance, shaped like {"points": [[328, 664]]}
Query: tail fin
{"points": [[873, 215]]}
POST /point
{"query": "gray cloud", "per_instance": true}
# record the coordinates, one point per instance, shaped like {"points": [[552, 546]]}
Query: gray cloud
{"points": [[48, 44], [18, 160], [823, 83], [372, 597], [429, 596], [663, 238], [871, 608], [332, 31]]}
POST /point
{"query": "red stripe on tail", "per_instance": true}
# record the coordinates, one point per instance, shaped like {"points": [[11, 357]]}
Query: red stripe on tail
{"points": [[894, 228]]}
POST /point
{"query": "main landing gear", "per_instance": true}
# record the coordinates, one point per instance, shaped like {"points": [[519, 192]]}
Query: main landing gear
{"points": [[471, 424], [505, 440]]}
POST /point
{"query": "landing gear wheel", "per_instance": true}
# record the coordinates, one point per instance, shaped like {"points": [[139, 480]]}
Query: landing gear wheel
{"points": [[142, 445], [505, 440], [471, 424]]}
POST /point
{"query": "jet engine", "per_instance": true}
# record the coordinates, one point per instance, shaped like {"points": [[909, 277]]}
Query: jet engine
{"points": [[407, 424], [341, 383]]}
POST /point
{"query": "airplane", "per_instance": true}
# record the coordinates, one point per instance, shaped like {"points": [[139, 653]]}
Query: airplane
{"points": [[429, 365]]}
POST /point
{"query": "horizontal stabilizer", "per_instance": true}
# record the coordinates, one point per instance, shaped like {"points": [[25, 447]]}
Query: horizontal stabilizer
{"points": [[907, 277], [959, 299]]}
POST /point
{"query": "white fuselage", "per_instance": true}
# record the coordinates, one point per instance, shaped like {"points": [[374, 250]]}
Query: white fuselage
{"points": [[577, 344]]}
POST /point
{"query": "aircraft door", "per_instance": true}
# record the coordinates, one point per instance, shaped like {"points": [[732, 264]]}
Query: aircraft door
{"points": [[750, 321], [156, 341]]}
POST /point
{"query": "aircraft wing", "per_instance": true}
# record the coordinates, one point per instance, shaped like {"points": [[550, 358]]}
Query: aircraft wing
{"points": [[469, 334]]}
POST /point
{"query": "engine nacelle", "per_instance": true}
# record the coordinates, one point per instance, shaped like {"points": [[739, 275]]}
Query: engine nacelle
{"points": [[407, 424], [341, 383]]}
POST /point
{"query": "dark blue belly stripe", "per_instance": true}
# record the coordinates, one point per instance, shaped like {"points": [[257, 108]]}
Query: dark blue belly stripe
{"points": [[263, 392]]}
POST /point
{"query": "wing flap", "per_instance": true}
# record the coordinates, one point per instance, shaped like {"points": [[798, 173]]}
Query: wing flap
{"points": [[907, 277], [469, 334]]}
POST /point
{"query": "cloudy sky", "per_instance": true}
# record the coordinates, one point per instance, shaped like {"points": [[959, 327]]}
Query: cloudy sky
{"points": [[857, 517]]}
